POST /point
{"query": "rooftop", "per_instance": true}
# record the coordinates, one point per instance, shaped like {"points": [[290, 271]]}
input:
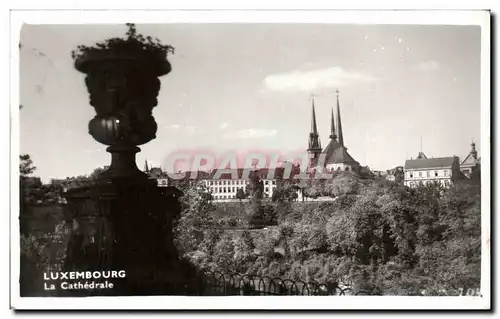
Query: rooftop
{"points": [[438, 162], [339, 155]]}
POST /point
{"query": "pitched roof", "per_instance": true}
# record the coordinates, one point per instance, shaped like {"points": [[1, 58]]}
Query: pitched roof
{"points": [[421, 155], [469, 160], [331, 147], [340, 156], [438, 162]]}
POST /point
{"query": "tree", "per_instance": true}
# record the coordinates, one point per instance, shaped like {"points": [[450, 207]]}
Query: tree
{"points": [[314, 188], [262, 215], [29, 186], [84, 180], [194, 218], [240, 194], [255, 187], [26, 166], [97, 172], [31, 190], [285, 191], [345, 183]]}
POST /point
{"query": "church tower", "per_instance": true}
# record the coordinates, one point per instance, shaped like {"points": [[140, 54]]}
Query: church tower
{"points": [[314, 149], [473, 151], [336, 156]]}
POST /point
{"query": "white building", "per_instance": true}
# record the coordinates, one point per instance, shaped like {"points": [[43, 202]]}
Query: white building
{"points": [[423, 171], [225, 188]]}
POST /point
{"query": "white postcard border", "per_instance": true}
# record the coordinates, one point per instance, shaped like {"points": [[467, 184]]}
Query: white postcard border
{"points": [[480, 18]]}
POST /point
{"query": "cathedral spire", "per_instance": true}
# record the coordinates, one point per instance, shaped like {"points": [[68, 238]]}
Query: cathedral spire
{"points": [[314, 128], [333, 134], [146, 168], [340, 135], [314, 143]]}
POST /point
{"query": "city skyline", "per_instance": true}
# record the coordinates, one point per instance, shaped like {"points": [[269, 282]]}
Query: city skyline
{"points": [[241, 87]]}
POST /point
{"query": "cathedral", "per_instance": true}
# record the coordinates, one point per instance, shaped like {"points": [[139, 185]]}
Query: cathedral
{"points": [[336, 157]]}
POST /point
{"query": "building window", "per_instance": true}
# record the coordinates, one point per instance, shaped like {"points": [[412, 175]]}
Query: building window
{"points": [[419, 174], [428, 174], [411, 175], [436, 173], [412, 185], [445, 172], [447, 183]]}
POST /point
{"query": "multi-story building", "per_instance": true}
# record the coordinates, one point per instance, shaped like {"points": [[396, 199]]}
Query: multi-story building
{"points": [[223, 187], [423, 171]]}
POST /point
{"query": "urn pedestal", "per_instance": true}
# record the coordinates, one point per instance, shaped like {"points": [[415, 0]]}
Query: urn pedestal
{"points": [[126, 225]]}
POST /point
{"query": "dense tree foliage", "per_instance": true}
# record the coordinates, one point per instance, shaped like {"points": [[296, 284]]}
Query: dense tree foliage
{"points": [[376, 235], [34, 192]]}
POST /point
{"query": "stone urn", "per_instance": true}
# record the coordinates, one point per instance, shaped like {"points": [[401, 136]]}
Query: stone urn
{"points": [[122, 81]]}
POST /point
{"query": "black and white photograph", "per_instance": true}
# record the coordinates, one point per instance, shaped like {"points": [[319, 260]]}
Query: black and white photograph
{"points": [[332, 155]]}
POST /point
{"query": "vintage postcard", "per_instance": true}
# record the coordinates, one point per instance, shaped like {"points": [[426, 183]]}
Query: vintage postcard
{"points": [[339, 157]]}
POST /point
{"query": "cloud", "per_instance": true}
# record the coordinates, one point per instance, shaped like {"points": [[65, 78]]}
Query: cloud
{"points": [[224, 125], [313, 80], [250, 133], [426, 66]]}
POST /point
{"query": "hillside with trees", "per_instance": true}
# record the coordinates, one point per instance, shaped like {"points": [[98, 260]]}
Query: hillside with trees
{"points": [[377, 236]]}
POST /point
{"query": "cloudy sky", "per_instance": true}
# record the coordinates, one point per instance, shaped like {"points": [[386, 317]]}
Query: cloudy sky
{"points": [[248, 87]]}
